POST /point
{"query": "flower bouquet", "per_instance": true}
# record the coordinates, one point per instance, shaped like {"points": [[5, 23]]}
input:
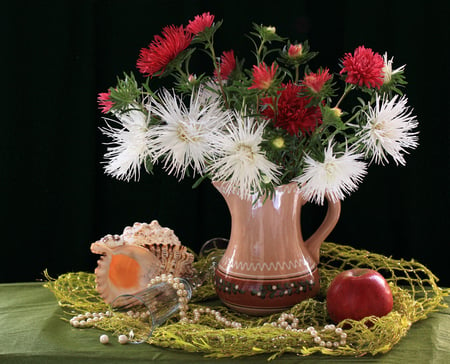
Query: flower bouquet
{"points": [[275, 122]]}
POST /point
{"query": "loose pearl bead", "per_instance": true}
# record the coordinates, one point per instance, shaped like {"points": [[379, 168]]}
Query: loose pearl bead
{"points": [[104, 339], [123, 339]]}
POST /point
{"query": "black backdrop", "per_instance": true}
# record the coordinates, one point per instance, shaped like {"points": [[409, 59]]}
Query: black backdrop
{"points": [[58, 54]]}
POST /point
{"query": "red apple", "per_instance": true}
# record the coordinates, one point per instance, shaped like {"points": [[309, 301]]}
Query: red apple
{"points": [[358, 293]]}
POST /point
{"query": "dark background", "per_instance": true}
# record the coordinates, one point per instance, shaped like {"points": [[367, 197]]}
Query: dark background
{"points": [[56, 57]]}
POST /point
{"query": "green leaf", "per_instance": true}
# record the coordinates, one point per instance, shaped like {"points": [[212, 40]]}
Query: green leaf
{"points": [[148, 164]]}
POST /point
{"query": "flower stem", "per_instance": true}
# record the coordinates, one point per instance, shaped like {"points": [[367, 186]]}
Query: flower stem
{"points": [[217, 68], [348, 88], [297, 73]]}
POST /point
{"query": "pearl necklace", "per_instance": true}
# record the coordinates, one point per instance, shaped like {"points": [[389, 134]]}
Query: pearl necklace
{"points": [[290, 323], [182, 292], [88, 319], [286, 321]]}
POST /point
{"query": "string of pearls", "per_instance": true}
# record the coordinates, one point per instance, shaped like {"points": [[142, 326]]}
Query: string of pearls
{"points": [[178, 285], [217, 316], [88, 319], [290, 322], [286, 321], [182, 293]]}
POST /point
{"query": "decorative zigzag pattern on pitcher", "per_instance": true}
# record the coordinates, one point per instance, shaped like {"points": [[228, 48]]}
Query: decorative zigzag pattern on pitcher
{"points": [[257, 267]]}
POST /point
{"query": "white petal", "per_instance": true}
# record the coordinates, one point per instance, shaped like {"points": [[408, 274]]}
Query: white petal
{"points": [[389, 130], [128, 148], [336, 176], [184, 139], [240, 160]]}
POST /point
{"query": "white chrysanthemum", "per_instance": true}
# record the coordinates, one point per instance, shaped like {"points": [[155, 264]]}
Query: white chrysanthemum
{"points": [[387, 69], [184, 139], [335, 177], [241, 162], [209, 92], [389, 130], [128, 149]]}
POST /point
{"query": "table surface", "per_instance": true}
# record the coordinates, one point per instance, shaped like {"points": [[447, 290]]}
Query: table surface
{"points": [[31, 331]]}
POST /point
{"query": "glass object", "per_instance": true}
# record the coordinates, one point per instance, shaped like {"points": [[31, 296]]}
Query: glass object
{"points": [[267, 266], [140, 313]]}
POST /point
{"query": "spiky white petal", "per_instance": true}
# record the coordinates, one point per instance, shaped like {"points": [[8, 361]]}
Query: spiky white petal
{"points": [[241, 161], [336, 176], [128, 148], [209, 92], [387, 69], [389, 130], [184, 139]]}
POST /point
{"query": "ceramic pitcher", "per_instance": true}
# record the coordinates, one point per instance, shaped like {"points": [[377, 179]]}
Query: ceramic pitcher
{"points": [[268, 266]]}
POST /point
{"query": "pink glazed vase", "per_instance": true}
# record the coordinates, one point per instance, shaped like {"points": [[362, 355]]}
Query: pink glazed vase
{"points": [[267, 266]]}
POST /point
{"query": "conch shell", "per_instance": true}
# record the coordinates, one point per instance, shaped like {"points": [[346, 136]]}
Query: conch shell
{"points": [[143, 251]]}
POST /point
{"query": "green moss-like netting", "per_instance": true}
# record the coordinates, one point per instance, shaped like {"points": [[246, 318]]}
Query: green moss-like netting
{"points": [[414, 288]]}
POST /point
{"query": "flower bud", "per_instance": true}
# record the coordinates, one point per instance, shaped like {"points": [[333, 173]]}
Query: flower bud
{"points": [[271, 29], [278, 142], [192, 79], [336, 111], [295, 51]]}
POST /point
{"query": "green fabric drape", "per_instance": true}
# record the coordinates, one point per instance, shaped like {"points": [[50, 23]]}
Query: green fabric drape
{"points": [[32, 332], [57, 56]]}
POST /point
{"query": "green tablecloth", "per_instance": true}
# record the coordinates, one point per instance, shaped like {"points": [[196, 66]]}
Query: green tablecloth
{"points": [[31, 331]]}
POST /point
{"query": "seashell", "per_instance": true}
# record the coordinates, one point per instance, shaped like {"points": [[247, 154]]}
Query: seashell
{"points": [[174, 259], [123, 269], [112, 240], [129, 261], [153, 233]]}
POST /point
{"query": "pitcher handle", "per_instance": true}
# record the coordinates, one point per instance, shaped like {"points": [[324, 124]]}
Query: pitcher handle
{"points": [[314, 242]]}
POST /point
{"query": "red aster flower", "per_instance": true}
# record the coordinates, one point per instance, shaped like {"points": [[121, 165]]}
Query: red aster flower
{"points": [[227, 64], [292, 112], [200, 23], [295, 51], [263, 76], [315, 81], [364, 67], [105, 102], [163, 50]]}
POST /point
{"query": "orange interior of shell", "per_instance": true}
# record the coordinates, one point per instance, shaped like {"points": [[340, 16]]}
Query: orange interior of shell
{"points": [[123, 271]]}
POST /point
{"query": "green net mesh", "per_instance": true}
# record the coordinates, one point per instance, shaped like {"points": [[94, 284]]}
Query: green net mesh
{"points": [[414, 288]]}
